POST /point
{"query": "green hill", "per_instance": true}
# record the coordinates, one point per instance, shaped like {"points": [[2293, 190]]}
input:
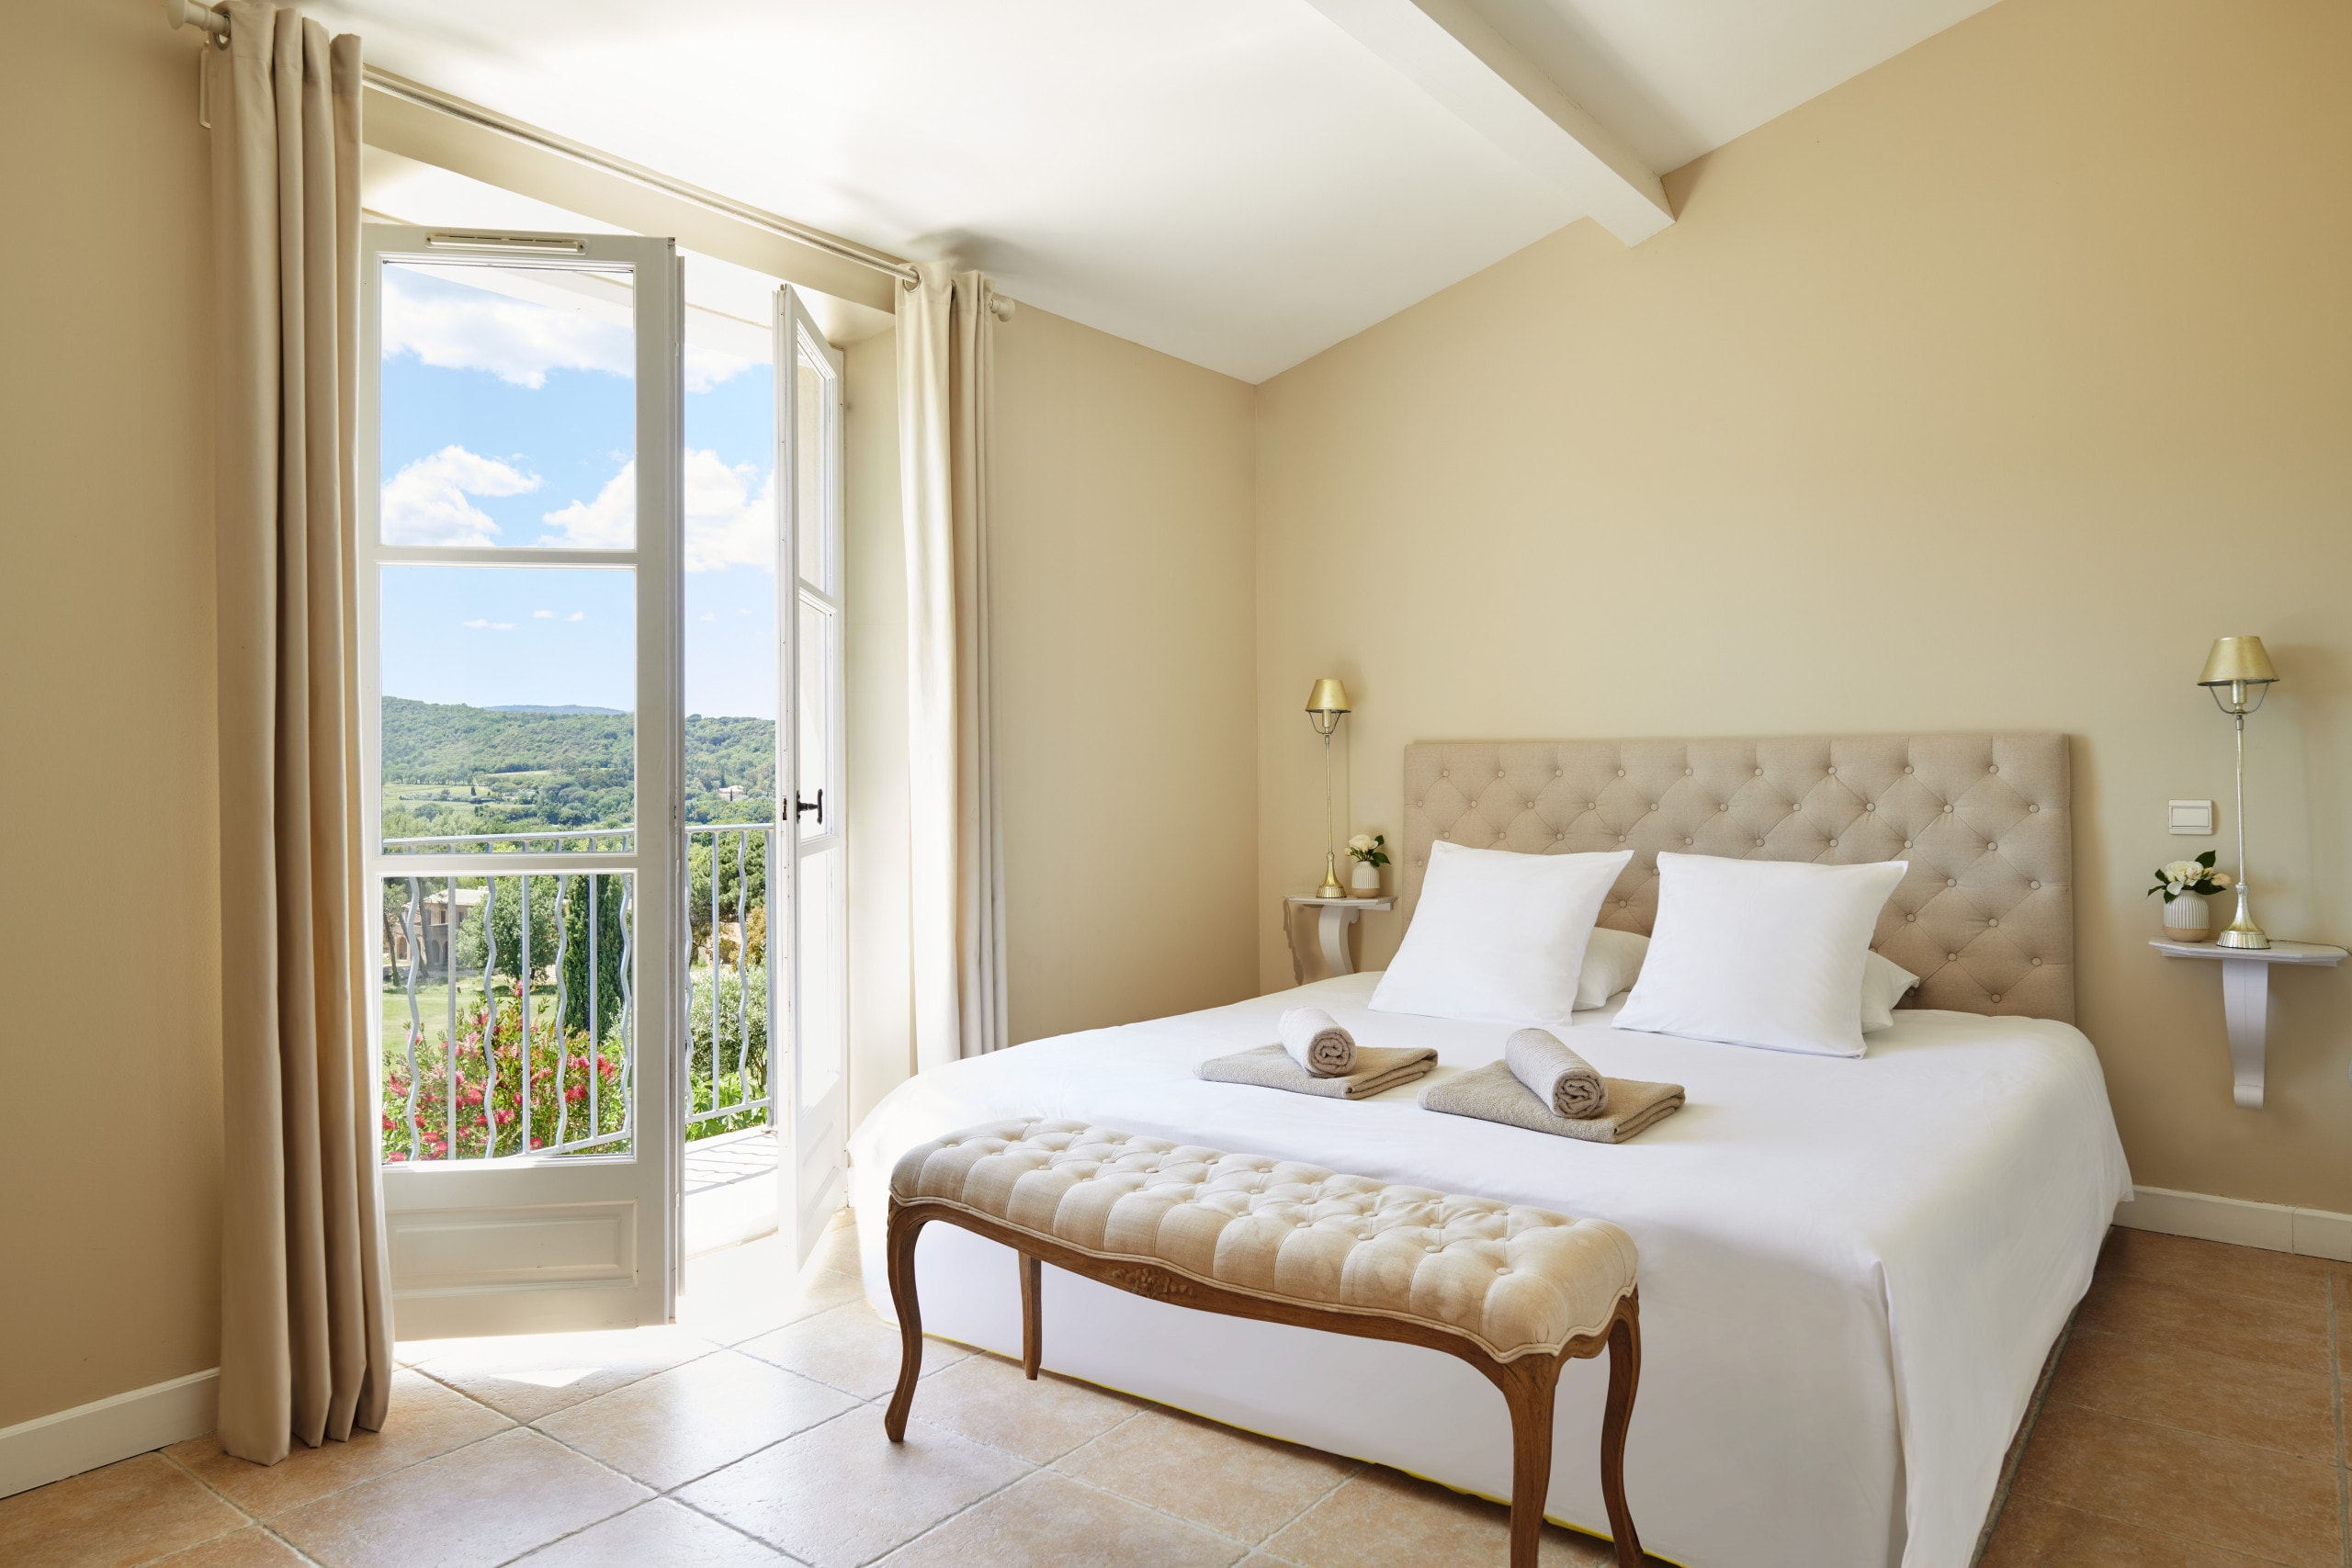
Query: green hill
{"points": [[451, 767]]}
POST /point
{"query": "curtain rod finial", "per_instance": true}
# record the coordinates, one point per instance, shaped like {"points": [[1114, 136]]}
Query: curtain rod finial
{"points": [[189, 14]]}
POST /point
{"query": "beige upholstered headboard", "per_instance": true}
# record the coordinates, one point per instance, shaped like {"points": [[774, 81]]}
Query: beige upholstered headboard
{"points": [[1985, 915]]}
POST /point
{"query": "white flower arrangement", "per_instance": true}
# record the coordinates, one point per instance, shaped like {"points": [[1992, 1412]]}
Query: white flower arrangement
{"points": [[2176, 877], [1369, 847]]}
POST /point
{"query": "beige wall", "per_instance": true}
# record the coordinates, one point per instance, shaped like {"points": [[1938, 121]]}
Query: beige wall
{"points": [[109, 1056], [1121, 510], [1980, 392]]}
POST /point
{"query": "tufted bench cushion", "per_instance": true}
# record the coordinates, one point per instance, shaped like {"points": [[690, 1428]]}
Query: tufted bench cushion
{"points": [[1514, 1279]]}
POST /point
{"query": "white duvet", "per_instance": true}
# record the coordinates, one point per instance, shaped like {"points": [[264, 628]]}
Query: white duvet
{"points": [[1852, 1270]]}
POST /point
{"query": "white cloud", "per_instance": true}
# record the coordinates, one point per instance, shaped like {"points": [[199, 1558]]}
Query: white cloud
{"points": [[519, 337], [707, 367], [706, 615], [607, 522], [543, 615], [455, 327], [728, 523], [426, 502], [577, 616], [490, 626]]}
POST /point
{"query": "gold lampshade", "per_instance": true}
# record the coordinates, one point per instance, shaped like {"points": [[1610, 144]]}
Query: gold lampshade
{"points": [[2238, 661], [1329, 696]]}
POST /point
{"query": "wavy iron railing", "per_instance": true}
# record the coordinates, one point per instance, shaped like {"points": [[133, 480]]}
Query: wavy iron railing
{"points": [[502, 1056], [738, 1089], [514, 1073]]}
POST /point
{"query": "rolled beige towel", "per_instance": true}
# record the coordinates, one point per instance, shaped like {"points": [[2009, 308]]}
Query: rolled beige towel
{"points": [[1563, 1080], [1317, 1042]]}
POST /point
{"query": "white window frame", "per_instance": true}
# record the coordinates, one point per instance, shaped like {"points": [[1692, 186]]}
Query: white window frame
{"points": [[532, 1243]]}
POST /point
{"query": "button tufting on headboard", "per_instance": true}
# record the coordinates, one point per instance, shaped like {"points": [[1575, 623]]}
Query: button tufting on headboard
{"points": [[1985, 917]]}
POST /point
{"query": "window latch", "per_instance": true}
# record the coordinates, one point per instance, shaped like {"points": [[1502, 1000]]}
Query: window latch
{"points": [[802, 807]]}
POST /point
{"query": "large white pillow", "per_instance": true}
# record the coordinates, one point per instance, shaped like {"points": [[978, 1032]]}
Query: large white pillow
{"points": [[1883, 983], [1761, 953], [1498, 937], [1613, 962]]}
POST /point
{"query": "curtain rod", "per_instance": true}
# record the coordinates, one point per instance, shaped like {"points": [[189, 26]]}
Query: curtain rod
{"points": [[215, 25]]}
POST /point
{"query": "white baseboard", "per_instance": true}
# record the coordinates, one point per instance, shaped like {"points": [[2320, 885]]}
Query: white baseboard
{"points": [[2276, 1227], [51, 1447]]}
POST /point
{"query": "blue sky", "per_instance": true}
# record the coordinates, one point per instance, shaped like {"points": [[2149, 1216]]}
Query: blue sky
{"points": [[509, 421]]}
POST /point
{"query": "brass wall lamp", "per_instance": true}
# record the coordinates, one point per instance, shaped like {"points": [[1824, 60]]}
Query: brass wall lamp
{"points": [[1324, 706], [2239, 673]]}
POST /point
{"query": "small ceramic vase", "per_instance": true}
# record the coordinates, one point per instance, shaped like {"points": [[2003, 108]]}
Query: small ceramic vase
{"points": [[2186, 919], [1364, 881]]}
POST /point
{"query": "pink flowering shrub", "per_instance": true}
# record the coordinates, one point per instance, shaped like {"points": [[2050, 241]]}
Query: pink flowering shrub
{"points": [[491, 1113]]}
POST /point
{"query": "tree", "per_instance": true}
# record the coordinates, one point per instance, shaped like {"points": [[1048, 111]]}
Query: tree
{"points": [[597, 899], [734, 864], [561, 909]]}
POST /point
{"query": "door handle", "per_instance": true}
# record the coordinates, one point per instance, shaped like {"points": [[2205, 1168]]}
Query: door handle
{"points": [[802, 807]]}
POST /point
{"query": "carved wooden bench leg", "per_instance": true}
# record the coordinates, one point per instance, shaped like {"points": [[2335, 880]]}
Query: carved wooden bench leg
{"points": [[900, 1244], [1529, 1385], [1032, 1328], [1625, 1377]]}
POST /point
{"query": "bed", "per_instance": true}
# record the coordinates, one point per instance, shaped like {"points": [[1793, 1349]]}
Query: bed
{"points": [[1852, 1269]]}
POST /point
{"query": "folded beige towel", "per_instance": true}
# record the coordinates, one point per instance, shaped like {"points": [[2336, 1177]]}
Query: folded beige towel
{"points": [[1555, 1075], [1317, 1042], [1492, 1094], [1269, 1067]]}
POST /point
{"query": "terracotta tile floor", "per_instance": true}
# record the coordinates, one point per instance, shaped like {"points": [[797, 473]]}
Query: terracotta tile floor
{"points": [[2193, 1418]]}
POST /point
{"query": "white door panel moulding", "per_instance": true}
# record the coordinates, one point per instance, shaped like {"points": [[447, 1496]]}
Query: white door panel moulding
{"points": [[2275, 1227], [51, 1447], [1455, 56]]}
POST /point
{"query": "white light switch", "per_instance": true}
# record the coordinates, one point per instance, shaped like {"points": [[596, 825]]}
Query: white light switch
{"points": [[2193, 816]]}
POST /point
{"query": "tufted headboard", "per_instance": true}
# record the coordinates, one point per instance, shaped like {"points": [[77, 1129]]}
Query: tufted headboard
{"points": [[1985, 918]]}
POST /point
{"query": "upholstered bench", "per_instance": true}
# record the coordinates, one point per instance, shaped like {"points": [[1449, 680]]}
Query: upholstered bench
{"points": [[1515, 1292]]}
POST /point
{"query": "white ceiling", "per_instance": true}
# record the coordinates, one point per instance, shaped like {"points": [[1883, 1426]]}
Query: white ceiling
{"points": [[1238, 183]]}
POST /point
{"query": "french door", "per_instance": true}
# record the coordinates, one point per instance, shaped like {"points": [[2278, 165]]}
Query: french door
{"points": [[518, 547], [814, 1105]]}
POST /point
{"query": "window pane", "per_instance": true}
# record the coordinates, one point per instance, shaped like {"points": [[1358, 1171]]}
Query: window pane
{"points": [[509, 405], [509, 710], [813, 724], [810, 418]]}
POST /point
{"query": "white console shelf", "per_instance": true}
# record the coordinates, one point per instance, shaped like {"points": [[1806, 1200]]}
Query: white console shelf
{"points": [[1337, 915], [2245, 999]]}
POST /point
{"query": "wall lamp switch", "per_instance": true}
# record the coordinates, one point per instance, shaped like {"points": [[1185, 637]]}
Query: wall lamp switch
{"points": [[2193, 816]]}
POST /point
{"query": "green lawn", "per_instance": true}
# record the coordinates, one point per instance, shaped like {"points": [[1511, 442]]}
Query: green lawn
{"points": [[433, 1003]]}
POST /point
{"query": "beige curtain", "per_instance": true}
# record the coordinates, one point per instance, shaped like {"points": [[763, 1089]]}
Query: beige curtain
{"points": [[946, 363], [305, 1330]]}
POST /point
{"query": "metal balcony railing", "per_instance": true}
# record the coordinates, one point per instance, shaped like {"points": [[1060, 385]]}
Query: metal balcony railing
{"points": [[729, 1015], [529, 980], [510, 1004]]}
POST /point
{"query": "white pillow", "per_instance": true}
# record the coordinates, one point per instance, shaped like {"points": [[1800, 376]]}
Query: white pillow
{"points": [[1498, 937], [1883, 983], [1612, 961], [1760, 952]]}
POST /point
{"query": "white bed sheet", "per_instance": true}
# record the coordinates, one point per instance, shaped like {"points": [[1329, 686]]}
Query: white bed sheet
{"points": [[1852, 1270]]}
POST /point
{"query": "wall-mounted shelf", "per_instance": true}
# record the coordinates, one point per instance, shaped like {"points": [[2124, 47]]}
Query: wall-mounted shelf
{"points": [[1337, 915], [2245, 999]]}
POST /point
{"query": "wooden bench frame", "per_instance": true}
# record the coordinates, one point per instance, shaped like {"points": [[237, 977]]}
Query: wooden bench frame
{"points": [[1528, 1382]]}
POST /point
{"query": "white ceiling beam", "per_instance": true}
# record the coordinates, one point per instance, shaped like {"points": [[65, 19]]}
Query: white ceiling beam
{"points": [[1450, 53]]}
